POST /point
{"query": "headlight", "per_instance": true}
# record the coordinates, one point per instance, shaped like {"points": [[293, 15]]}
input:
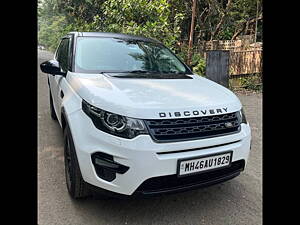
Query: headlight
{"points": [[243, 116], [114, 124]]}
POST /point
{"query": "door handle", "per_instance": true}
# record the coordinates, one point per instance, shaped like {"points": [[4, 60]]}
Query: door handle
{"points": [[62, 94]]}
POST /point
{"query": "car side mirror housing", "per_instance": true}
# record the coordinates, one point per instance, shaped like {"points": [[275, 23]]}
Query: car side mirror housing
{"points": [[52, 67]]}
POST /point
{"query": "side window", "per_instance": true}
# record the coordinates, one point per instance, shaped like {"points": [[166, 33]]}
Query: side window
{"points": [[62, 54], [59, 50]]}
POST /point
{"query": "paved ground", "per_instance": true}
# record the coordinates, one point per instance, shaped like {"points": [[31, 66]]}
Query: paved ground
{"points": [[236, 202]]}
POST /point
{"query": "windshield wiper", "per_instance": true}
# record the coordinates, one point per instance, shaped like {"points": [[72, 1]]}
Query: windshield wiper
{"points": [[139, 71], [129, 71], [145, 71], [156, 72], [173, 72]]}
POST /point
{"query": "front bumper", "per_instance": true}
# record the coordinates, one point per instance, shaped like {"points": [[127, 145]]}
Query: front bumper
{"points": [[143, 156]]}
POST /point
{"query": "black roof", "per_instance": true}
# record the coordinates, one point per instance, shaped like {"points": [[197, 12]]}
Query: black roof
{"points": [[113, 35]]}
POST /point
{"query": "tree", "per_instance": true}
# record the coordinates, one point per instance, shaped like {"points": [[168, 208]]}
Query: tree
{"points": [[156, 19], [166, 20]]}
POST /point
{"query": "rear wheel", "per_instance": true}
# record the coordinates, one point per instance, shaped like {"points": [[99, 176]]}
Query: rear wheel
{"points": [[52, 111], [76, 186]]}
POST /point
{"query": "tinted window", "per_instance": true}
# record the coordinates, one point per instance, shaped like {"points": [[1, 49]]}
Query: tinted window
{"points": [[94, 55], [62, 54]]}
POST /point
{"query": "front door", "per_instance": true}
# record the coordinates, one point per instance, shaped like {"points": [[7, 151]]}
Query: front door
{"points": [[61, 56]]}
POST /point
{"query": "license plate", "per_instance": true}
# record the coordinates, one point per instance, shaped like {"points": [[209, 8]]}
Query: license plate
{"points": [[197, 165]]}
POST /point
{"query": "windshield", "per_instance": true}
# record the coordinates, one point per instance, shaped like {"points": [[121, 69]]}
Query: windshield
{"points": [[96, 55]]}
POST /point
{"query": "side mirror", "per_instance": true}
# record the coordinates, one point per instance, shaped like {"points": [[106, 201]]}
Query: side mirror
{"points": [[51, 67]]}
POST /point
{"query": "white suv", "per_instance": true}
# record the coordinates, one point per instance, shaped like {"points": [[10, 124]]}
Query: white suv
{"points": [[136, 120]]}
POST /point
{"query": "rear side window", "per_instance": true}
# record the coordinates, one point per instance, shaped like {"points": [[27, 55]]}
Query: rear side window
{"points": [[63, 53]]}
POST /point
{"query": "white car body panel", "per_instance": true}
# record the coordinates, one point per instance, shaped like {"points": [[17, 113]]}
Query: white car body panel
{"points": [[140, 153], [145, 98], [142, 98]]}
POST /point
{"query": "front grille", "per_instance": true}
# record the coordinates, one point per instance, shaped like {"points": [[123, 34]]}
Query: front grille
{"points": [[166, 130], [172, 183]]}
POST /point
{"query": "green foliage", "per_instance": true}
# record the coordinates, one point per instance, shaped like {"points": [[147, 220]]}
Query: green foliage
{"points": [[252, 82], [226, 33], [164, 20], [198, 64], [142, 17], [55, 26], [155, 19], [83, 10]]}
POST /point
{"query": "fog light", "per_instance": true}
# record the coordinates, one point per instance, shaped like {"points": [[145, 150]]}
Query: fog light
{"points": [[105, 166]]}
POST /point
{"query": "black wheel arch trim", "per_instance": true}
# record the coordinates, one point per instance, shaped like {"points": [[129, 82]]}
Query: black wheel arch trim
{"points": [[66, 121]]}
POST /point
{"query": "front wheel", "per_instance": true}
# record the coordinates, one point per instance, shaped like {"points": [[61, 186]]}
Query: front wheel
{"points": [[76, 186]]}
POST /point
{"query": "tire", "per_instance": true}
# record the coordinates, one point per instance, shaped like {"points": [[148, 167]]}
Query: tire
{"points": [[52, 111], [76, 186]]}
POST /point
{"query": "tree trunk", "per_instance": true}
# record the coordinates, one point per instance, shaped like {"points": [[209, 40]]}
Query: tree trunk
{"points": [[191, 32], [245, 25]]}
